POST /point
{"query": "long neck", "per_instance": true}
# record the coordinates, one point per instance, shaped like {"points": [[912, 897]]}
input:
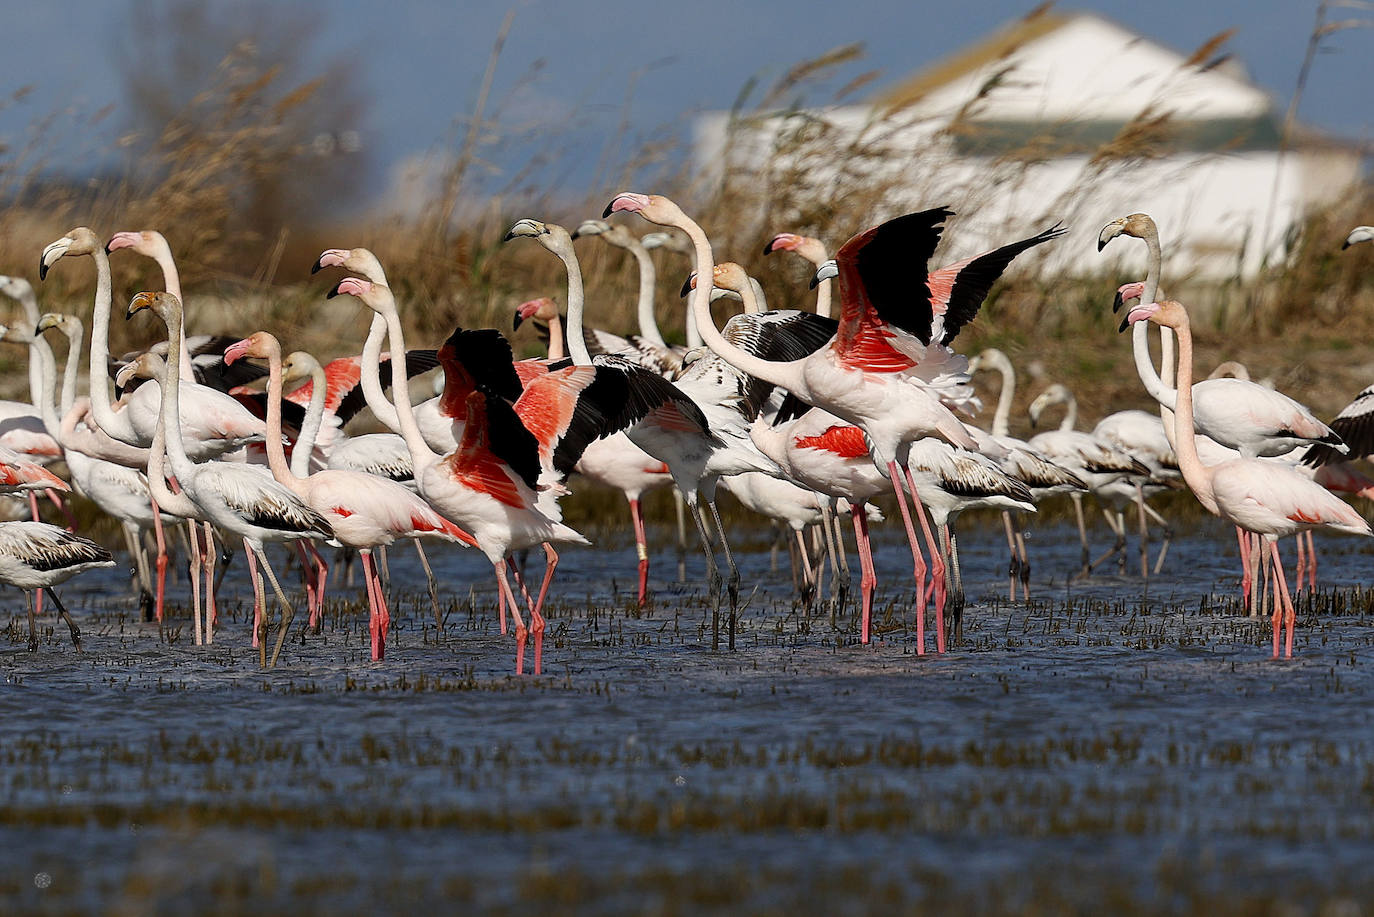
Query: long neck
{"points": [[648, 278], [421, 456], [74, 333], [1070, 412], [577, 342], [823, 298], [556, 348], [1001, 421], [371, 379], [171, 282], [1196, 474], [1165, 379], [276, 452], [171, 401], [167, 500], [42, 360], [750, 298], [115, 425], [310, 428], [784, 374], [38, 345]]}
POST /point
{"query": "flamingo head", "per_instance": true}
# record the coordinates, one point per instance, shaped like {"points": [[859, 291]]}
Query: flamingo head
{"points": [[1055, 394], [812, 250], [147, 365], [591, 228], [69, 325], [543, 309], [1168, 313], [259, 344], [829, 270], [1357, 235], [80, 241], [665, 240], [16, 287], [532, 229], [1138, 225], [351, 286], [148, 242], [1126, 292], [653, 207], [161, 302], [298, 365]]}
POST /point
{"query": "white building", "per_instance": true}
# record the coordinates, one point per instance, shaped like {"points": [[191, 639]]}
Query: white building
{"points": [[1064, 117]]}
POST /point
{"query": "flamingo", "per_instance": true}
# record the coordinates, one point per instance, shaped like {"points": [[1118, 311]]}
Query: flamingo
{"points": [[364, 511], [1357, 235], [37, 556], [861, 376], [544, 312], [235, 497], [1266, 498], [487, 484]]}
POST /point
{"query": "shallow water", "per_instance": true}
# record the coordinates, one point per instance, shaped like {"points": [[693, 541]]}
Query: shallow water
{"points": [[1096, 751]]}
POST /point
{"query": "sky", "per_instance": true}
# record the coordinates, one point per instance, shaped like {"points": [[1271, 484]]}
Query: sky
{"points": [[419, 64]]}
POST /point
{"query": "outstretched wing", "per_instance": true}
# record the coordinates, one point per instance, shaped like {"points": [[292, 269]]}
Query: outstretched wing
{"points": [[961, 287], [1355, 426]]}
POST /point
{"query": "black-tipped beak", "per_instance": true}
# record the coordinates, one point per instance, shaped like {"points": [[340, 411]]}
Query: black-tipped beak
{"points": [[107, 247], [815, 282], [42, 269], [1118, 301], [1101, 244], [686, 287], [607, 212], [508, 236], [1125, 323], [768, 249], [315, 268], [517, 322], [334, 290], [1345, 245]]}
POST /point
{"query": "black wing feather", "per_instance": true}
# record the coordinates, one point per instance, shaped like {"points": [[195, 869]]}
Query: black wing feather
{"points": [[417, 362], [509, 440], [891, 261], [975, 281], [487, 357]]}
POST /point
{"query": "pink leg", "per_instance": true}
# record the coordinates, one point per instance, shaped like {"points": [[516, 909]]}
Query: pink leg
{"points": [[501, 605], [1311, 560], [308, 577], [323, 579], [161, 560], [374, 615], [937, 566], [193, 533], [1243, 540], [211, 609], [258, 597], [641, 549], [869, 578], [1300, 572], [894, 473], [521, 633], [61, 508], [536, 618], [1283, 605]]}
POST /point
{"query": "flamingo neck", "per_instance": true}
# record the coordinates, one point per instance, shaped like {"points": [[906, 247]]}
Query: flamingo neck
{"points": [[1070, 420], [29, 302], [115, 425], [557, 343], [371, 378], [171, 282], [750, 297], [823, 297], [276, 452], [182, 466], [1001, 420], [787, 375], [648, 280], [421, 456], [46, 367], [1197, 475], [71, 369], [310, 427], [577, 342], [1153, 268]]}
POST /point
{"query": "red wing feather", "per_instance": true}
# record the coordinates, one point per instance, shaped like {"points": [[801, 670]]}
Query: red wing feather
{"points": [[841, 439]]}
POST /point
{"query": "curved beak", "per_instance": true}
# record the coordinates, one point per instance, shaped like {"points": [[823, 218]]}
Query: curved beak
{"points": [[828, 271], [525, 228], [627, 202], [331, 257], [125, 375], [517, 321], [688, 285], [46, 321], [119, 240], [1110, 232], [236, 351], [50, 255], [140, 302], [591, 228]]}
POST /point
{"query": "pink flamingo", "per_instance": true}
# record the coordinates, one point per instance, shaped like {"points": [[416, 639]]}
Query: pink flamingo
{"points": [[1266, 498]]}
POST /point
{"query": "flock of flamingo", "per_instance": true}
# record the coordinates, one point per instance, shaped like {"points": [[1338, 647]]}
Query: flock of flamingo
{"points": [[802, 416]]}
